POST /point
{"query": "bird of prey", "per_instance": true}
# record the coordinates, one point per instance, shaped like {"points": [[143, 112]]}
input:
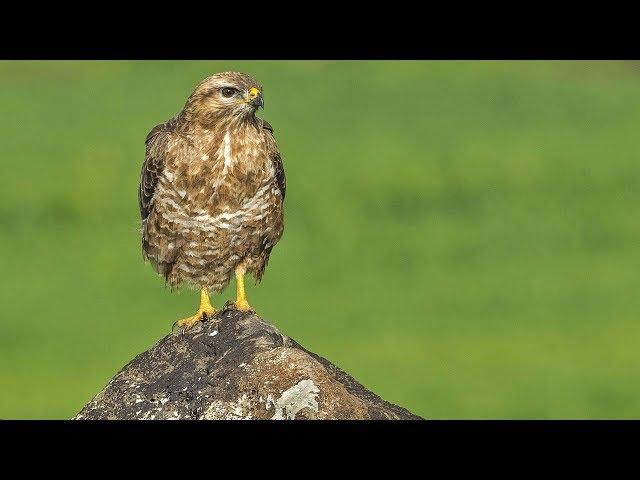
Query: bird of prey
{"points": [[211, 191]]}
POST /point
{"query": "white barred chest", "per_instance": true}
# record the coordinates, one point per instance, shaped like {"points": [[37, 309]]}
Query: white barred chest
{"points": [[183, 205], [254, 209]]}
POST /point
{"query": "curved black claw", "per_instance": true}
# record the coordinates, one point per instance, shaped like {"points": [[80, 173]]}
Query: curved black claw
{"points": [[182, 329], [231, 305]]}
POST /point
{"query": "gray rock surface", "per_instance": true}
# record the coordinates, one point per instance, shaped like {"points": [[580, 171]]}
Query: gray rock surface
{"points": [[235, 366]]}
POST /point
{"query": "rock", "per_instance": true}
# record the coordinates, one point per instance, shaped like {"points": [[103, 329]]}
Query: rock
{"points": [[235, 366]]}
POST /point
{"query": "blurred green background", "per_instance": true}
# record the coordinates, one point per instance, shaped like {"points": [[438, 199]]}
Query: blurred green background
{"points": [[461, 237]]}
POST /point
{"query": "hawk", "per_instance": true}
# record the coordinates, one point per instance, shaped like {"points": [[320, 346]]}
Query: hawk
{"points": [[211, 191]]}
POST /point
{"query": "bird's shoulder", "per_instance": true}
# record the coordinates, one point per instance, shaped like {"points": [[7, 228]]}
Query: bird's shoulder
{"points": [[266, 125], [162, 133]]}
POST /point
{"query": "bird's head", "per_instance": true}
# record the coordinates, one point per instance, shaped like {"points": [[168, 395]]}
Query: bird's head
{"points": [[227, 95]]}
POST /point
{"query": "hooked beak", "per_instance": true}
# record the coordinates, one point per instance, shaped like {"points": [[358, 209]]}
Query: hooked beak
{"points": [[258, 102], [255, 98]]}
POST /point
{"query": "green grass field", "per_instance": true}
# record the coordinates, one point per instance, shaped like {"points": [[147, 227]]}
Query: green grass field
{"points": [[461, 237]]}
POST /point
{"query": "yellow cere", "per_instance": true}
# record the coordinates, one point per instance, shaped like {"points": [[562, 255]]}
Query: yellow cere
{"points": [[254, 92]]}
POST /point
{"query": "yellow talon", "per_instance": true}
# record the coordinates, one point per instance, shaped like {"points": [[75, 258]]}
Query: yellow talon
{"points": [[241, 297], [243, 306], [205, 309]]}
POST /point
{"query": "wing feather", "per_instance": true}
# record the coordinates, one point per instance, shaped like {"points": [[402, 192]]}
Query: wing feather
{"points": [[276, 159], [153, 166]]}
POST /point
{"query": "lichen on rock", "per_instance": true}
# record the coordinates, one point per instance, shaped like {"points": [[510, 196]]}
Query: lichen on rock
{"points": [[235, 366]]}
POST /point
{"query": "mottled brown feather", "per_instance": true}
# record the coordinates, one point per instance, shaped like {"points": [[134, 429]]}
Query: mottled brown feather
{"points": [[212, 189], [277, 162]]}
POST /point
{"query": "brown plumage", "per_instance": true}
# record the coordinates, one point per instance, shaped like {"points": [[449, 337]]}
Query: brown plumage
{"points": [[212, 189]]}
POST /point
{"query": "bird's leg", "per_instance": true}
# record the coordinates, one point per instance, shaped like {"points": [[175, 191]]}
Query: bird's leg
{"points": [[241, 297], [205, 309]]}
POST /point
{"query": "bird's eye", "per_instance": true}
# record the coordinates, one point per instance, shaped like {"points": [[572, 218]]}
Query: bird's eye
{"points": [[228, 92]]}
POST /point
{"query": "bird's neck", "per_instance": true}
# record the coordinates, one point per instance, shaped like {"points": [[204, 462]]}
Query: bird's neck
{"points": [[212, 121]]}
